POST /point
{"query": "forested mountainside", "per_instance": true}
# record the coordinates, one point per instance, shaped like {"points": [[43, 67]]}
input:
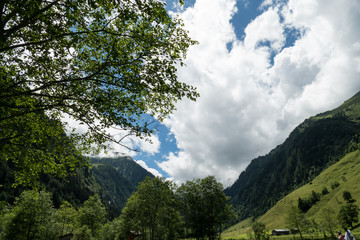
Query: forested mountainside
{"points": [[118, 178], [115, 189], [126, 166], [317, 143], [114, 179], [76, 188]]}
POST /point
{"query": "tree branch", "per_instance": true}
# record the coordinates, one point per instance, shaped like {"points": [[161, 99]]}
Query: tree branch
{"points": [[26, 21], [62, 36]]}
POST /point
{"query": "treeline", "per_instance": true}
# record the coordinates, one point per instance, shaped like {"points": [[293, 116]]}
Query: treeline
{"points": [[159, 209]]}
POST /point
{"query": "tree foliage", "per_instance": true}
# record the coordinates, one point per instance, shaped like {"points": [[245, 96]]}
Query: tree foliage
{"points": [[347, 197], [205, 207], [259, 230], [31, 217], [102, 63], [66, 218], [328, 221], [92, 214], [348, 214], [296, 219], [152, 211], [305, 204]]}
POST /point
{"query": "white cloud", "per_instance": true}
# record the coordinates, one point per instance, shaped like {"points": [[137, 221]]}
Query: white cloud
{"points": [[131, 142], [134, 143], [248, 106], [145, 166], [266, 27]]}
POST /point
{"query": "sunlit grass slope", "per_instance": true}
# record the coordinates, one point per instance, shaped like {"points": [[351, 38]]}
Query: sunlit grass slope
{"points": [[346, 172]]}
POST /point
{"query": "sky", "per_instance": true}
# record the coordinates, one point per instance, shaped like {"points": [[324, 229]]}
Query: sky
{"points": [[261, 68]]}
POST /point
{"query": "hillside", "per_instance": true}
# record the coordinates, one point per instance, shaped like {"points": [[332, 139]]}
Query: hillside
{"points": [[115, 189], [118, 178], [126, 166], [75, 188], [345, 172], [114, 179], [314, 145]]}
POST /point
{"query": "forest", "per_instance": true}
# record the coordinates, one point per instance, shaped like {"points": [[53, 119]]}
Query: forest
{"points": [[157, 210]]}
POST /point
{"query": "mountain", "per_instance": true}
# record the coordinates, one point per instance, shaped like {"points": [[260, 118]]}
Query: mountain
{"points": [[114, 179], [126, 166], [314, 145], [341, 176], [75, 188], [115, 189], [118, 178]]}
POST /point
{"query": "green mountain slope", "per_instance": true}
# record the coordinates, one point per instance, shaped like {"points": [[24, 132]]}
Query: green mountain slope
{"points": [[114, 179], [76, 188], [314, 145], [345, 173], [115, 189], [126, 166], [118, 178]]}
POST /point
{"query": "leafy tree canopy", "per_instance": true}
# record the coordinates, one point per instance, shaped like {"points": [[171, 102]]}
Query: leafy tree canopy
{"points": [[259, 230], [92, 213], [296, 219], [347, 197], [205, 207], [31, 217], [102, 63], [152, 211], [348, 214]]}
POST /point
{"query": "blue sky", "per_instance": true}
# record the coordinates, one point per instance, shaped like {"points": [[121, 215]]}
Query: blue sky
{"points": [[261, 68]]}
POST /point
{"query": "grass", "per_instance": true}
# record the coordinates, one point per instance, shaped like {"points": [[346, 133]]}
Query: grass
{"points": [[346, 172]]}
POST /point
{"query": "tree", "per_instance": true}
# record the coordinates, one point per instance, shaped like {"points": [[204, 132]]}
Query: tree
{"points": [[348, 214], [296, 219], [112, 230], [83, 233], [92, 214], [315, 197], [65, 217], [152, 211], [205, 207], [325, 191], [102, 63], [192, 208], [259, 230], [347, 197], [31, 217], [328, 220], [304, 205]]}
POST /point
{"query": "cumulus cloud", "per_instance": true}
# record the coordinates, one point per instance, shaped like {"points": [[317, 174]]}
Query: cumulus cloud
{"points": [[266, 27], [255, 94], [149, 169]]}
